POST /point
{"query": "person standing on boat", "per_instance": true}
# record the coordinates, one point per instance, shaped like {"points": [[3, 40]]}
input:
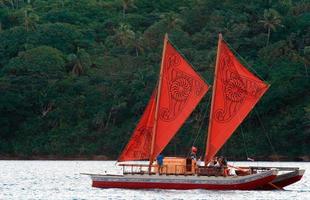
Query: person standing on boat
{"points": [[160, 162], [194, 153]]}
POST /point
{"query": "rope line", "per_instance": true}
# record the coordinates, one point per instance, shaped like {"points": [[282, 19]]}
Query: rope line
{"points": [[266, 133], [204, 115], [247, 64], [188, 61], [244, 143], [201, 125]]}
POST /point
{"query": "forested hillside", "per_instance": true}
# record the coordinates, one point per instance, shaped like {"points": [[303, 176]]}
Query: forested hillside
{"points": [[75, 75]]}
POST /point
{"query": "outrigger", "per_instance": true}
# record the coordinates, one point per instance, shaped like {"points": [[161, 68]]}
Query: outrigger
{"points": [[178, 91]]}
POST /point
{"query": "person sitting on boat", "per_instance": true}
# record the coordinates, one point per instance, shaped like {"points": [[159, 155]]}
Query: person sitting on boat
{"points": [[199, 162], [213, 162], [218, 162], [160, 162], [232, 171], [223, 164]]}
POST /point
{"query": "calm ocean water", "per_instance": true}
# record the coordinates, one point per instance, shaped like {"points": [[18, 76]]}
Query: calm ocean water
{"points": [[62, 180]]}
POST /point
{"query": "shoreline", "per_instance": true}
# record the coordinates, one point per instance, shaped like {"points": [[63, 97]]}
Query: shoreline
{"points": [[106, 158], [55, 157]]}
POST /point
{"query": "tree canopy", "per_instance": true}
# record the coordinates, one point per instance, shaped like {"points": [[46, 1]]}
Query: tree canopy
{"points": [[75, 76]]}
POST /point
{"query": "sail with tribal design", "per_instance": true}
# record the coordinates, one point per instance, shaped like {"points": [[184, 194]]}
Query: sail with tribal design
{"points": [[235, 92], [138, 147], [178, 92], [181, 89]]}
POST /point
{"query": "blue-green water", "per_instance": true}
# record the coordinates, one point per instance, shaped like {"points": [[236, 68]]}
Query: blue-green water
{"points": [[62, 180]]}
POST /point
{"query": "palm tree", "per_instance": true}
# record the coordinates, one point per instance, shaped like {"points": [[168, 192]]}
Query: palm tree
{"points": [[75, 62], [30, 18], [5, 2], [172, 20], [138, 43], [124, 34], [126, 5], [271, 21], [77, 68], [300, 7], [79, 62]]}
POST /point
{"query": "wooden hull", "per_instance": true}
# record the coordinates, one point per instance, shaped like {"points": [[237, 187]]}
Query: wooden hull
{"points": [[249, 182], [284, 180]]}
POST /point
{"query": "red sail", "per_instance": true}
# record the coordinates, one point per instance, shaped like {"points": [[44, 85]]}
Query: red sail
{"points": [[181, 90], [139, 146], [235, 93]]}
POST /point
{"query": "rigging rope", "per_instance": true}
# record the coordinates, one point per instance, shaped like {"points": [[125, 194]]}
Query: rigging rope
{"points": [[260, 121], [243, 60], [266, 133], [244, 143], [201, 125], [188, 61]]}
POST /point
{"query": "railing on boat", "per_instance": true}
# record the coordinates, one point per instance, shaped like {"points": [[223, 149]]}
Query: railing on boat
{"points": [[141, 169], [155, 169], [278, 168], [258, 169]]}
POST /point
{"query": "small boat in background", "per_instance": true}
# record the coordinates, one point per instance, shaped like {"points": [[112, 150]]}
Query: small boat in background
{"points": [[179, 90]]}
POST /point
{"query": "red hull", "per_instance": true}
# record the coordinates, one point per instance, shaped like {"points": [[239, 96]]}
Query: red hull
{"points": [[284, 180], [183, 186], [281, 184]]}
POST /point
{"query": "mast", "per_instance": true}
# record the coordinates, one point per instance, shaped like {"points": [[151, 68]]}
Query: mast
{"points": [[213, 93], [157, 102]]}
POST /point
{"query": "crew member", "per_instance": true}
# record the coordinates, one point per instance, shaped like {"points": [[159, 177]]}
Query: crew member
{"points": [[194, 153], [160, 162]]}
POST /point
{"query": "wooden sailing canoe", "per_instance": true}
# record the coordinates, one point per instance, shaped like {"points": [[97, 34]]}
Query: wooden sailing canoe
{"points": [[179, 90]]}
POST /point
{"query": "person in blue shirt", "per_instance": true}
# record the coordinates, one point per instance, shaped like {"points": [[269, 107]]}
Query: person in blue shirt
{"points": [[160, 162]]}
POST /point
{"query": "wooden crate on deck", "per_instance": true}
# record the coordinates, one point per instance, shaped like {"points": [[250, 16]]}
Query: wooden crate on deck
{"points": [[177, 165]]}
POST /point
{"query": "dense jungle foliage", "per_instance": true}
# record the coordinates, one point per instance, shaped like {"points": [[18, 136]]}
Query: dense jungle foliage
{"points": [[75, 75]]}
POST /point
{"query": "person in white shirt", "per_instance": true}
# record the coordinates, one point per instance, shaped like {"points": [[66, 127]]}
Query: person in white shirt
{"points": [[213, 162], [199, 162]]}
